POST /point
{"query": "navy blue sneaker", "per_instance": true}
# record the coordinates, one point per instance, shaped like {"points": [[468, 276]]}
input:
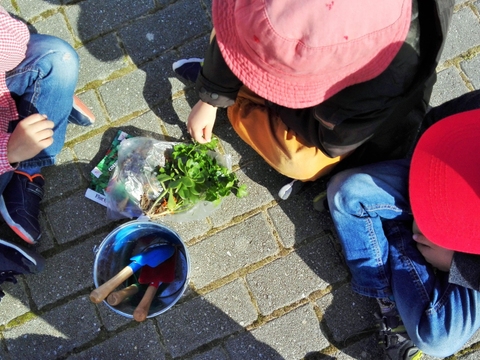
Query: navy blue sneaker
{"points": [[394, 339], [20, 205], [188, 68], [81, 114], [17, 260]]}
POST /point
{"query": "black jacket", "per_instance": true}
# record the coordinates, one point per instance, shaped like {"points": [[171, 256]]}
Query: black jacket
{"points": [[377, 118]]}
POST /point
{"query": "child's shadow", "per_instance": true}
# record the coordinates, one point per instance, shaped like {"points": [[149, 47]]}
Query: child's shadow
{"points": [[128, 49]]}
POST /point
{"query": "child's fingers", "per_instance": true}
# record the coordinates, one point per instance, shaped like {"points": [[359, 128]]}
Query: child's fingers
{"points": [[35, 118], [207, 133], [420, 239]]}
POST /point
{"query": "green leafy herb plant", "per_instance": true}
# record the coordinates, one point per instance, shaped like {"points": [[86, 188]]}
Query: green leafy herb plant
{"points": [[189, 176]]}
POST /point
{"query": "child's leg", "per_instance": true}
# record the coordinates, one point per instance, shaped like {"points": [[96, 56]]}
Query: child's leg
{"points": [[439, 317], [360, 200], [44, 82]]}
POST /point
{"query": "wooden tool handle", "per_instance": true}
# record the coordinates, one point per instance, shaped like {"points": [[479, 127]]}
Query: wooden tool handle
{"points": [[117, 297], [100, 293], [141, 312]]}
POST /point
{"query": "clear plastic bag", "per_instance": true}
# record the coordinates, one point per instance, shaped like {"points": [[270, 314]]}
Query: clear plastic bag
{"points": [[134, 184]]}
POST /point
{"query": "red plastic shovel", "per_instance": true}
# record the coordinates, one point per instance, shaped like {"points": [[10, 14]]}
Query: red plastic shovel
{"points": [[154, 276], [151, 256]]}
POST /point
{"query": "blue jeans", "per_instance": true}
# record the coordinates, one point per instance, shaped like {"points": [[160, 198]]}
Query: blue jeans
{"points": [[371, 212], [44, 82]]}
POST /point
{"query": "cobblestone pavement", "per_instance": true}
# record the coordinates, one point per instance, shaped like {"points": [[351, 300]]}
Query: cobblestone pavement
{"points": [[267, 277]]}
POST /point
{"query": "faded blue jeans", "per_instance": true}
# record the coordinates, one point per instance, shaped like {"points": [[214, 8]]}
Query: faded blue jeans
{"points": [[44, 82], [371, 212]]}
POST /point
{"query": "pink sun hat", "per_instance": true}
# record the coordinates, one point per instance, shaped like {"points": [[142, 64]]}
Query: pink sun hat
{"points": [[297, 53], [444, 183]]}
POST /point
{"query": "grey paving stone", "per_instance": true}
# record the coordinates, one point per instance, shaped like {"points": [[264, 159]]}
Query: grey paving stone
{"points": [[296, 220], [110, 319], [54, 333], [92, 18], [84, 216], [366, 349], [63, 177], [208, 4], [187, 230], [139, 90], [470, 68], [174, 116], [295, 276], [258, 193], [150, 36], [55, 25], [31, 8], [161, 81], [124, 96], [196, 320], [195, 48], [146, 125], [216, 353], [448, 86], [230, 250], [473, 340], [463, 34], [141, 342], [347, 313], [15, 302], [47, 240], [65, 274], [233, 300], [7, 5], [99, 59], [90, 151], [291, 336], [470, 356]]}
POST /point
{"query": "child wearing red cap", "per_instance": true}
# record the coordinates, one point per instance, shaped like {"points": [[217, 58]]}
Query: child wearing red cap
{"points": [[308, 83], [410, 234]]}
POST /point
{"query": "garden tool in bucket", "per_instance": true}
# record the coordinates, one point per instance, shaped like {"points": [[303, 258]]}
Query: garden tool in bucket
{"points": [[154, 276], [151, 256]]}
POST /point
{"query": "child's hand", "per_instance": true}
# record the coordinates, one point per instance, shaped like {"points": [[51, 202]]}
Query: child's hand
{"points": [[31, 135], [200, 122], [435, 255]]}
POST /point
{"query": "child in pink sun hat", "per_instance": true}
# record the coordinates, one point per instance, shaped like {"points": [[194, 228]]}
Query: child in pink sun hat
{"points": [[410, 234], [310, 83]]}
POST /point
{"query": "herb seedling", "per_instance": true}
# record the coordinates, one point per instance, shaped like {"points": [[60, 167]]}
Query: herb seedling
{"points": [[192, 175]]}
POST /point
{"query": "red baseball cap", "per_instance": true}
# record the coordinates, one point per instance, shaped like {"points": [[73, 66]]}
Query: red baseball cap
{"points": [[297, 53], [445, 182]]}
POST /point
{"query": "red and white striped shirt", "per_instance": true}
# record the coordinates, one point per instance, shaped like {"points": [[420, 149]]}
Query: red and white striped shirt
{"points": [[14, 36]]}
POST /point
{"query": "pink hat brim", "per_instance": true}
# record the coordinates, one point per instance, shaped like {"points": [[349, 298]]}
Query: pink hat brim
{"points": [[297, 89]]}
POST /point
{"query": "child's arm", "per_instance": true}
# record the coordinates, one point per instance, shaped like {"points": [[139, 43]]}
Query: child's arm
{"points": [[14, 36], [217, 87]]}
